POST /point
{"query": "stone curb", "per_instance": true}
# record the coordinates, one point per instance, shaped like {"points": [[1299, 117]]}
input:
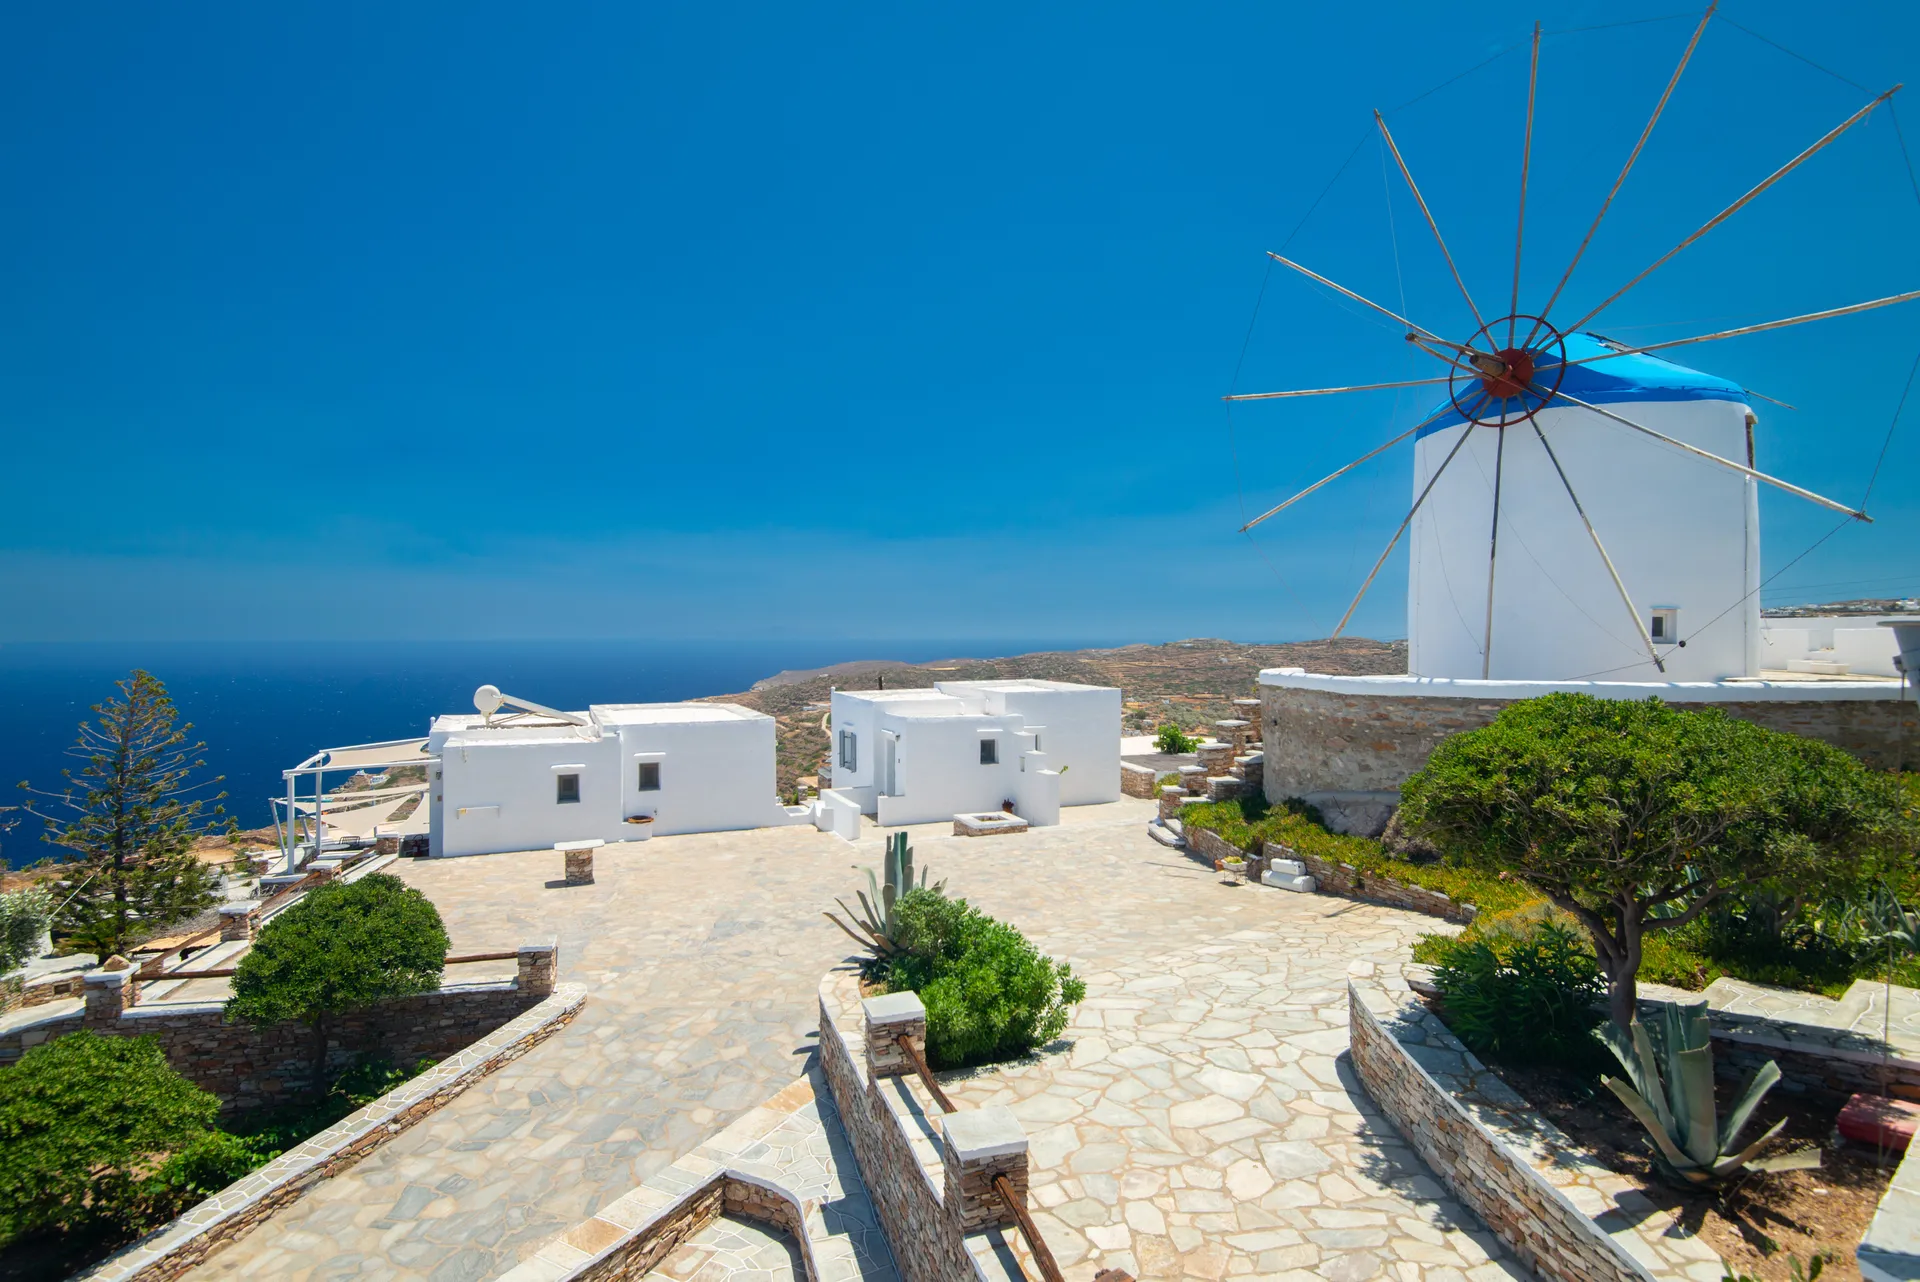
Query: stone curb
{"points": [[236, 1210], [1564, 1216]]}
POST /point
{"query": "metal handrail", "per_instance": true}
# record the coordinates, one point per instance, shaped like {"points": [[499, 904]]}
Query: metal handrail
{"points": [[1035, 1243], [919, 1062], [1049, 1270]]}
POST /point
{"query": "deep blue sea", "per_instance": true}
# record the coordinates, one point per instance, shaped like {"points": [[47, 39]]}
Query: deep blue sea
{"points": [[262, 707]]}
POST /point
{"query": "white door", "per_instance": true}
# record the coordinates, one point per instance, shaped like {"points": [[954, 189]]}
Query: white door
{"points": [[889, 773]]}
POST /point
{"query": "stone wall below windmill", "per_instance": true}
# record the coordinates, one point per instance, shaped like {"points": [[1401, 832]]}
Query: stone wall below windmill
{"points": [[1348, 751]]}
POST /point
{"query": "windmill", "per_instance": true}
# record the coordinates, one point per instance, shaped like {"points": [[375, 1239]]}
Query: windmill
{"points": [[1536, 402]]}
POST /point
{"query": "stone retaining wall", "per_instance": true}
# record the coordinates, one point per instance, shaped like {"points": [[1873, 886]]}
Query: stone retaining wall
{"points": [[926, 1243], [1562, 1214], [1137, 781], [248, 1066], [1318, 741], [181, 1246], [1344, 879], [18, 992]]}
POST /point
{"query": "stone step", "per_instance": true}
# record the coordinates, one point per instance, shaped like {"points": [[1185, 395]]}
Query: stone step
{"points": [[1166, 835], [1287, 867], [1285, 881]]}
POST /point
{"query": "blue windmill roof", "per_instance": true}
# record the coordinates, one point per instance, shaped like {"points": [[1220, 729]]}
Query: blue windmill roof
{"points": [[1614, 381]]}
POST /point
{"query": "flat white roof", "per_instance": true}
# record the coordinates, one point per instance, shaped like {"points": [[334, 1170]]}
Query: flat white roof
{"points": [[1732, 690], [657, 714], [1018, 683], [921, 694]]}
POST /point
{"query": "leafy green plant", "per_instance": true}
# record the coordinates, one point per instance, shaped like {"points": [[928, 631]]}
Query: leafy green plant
{"points": [[82, 1120], [207, 1163], [344, 947], [1669, 1091], [1637, 818], [24, 918], [1526, 997], [1171, 739], [130, 816], [989, 993], [873, 928]]}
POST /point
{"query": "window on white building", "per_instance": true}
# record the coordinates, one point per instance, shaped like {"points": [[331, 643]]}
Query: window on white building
{"points": [[566, 788], [989, 751], [849, 750], [649, 776], [1664, 626]]}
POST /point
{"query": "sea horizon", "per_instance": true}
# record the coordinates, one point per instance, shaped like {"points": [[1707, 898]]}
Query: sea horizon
{"points": [[263, 706]]}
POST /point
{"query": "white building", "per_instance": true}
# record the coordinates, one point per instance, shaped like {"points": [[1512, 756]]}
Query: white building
{"points": [[921, 756], [617, 772]]}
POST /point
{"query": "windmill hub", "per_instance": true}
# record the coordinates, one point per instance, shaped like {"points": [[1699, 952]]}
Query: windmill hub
{"points": [[1508, 371]]}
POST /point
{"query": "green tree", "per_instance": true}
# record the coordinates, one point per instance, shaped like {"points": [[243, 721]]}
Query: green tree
{"points": [[344, 947], [1635, 817], [130, 817], [83, 1120], [24, 916]]}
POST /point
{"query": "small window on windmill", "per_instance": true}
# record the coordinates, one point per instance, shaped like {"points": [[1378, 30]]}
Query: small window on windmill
{"points": [[1664, 626]]}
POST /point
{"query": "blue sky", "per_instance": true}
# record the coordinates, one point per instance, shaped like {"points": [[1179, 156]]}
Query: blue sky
{"points": [[690, 320]]}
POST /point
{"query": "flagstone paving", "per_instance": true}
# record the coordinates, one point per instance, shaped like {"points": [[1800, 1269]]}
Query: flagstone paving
{"points": [[702, 955], [1204, 1125]]}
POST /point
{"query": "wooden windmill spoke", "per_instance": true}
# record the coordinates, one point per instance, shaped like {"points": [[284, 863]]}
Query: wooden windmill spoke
{"points": [[1332, 391], [1422, 202], [1526, 160], [1421, 330], [1737, 205], [1711, 457], [1757, 329], [1466, 430], [1332, 476], [1600, 547], [1626, 168]]}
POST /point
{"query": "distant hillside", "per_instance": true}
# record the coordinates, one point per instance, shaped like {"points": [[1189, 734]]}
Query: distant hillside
{"points": [[1188, 682]]}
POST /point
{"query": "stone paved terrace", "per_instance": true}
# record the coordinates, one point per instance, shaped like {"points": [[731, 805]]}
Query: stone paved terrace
{"points": [[702, 955]]}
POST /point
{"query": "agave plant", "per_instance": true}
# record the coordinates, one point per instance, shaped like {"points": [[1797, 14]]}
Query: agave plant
{"points": [[872, 929], [1676, 1105]]}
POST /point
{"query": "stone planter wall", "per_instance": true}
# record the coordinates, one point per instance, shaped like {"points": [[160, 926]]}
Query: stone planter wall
{"points": [[248, 1066], [1137, 781], [179, 1247], [1344, 879], [1563, 1215]]}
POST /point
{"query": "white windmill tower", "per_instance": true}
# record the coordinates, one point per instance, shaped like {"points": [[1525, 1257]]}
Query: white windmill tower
{"points": [[1555, 534]]}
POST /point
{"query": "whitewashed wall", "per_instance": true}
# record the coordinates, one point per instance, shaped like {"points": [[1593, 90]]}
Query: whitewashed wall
{"points": [[1681, 531]]}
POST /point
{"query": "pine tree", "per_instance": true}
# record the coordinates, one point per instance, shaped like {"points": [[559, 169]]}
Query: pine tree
{"points": [[130, 819]]}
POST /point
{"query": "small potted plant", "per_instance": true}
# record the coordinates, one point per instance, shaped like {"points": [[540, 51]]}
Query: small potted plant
{"points": [[1235, 867]]}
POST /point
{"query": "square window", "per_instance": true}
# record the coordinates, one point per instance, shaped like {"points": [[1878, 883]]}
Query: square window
{"points": [[989, 751], [649, 776], [1663, 626], [566, 788]]}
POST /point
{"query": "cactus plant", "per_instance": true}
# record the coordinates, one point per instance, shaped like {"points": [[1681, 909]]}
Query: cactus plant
{"points": [[1670, 1093], [873, 929]]}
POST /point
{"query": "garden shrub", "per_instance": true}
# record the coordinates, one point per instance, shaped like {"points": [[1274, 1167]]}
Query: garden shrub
{"points": [[989, 993], [83, 1119], [24, 917], [1172, 739], [1526, 995], [344, 946]]}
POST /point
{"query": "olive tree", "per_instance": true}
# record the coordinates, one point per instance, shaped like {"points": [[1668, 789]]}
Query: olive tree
{"points": [[1635, 817], [342, 948]]}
